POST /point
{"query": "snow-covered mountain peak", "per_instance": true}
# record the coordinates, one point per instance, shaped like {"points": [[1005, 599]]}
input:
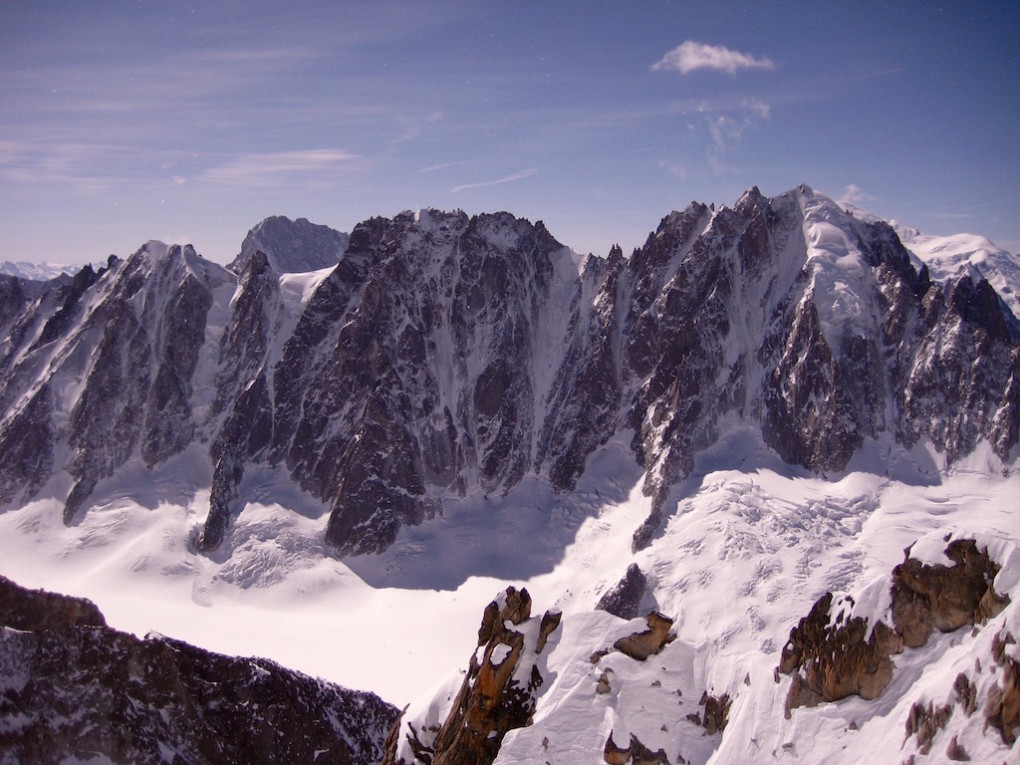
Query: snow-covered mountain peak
{"points": [[949, 256], [155, 249], [955, 255]]}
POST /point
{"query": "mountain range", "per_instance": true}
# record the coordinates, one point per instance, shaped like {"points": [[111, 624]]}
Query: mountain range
{"points": [[441, 366]]}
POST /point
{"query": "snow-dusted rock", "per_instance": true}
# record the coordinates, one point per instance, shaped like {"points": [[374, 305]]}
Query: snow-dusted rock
{"points": [[291, 246], [448, 355], [72, 688], [841, 654], [496, 696]]}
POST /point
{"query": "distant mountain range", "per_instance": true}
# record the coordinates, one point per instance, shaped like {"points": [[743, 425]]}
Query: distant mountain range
{"points": [[38, 272], [447, 354]]}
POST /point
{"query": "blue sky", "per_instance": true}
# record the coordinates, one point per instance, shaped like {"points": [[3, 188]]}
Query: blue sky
{"points": [[190, 122]]}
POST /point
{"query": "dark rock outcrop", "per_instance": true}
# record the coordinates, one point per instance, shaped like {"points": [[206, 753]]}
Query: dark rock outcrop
{"points": [[641, 645], [925, 722], [78, 690], [935, 597], [26, 449], [13, 299], [956, 752], [497, 695], [635, 753], [835, 660], [34, 610], [624, 598], [716, 713], [1001, 707], [832, 658]]}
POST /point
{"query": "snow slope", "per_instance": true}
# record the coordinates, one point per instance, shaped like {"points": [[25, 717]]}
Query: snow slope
{"points": [[956, 254], [960, 253], [748, 548]]}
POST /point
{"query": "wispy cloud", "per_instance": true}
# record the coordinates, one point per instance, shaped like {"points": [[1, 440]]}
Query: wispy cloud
{"points": [[760, 109], [78, 165], [690, 56], [497, 182], [268, 168], [674, 169], [727, 129], [442, 166], [854, 196]]}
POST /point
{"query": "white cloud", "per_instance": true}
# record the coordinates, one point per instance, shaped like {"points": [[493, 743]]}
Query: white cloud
{"points": [[759, 108], [690, 56], [497, 182], [727, 129], [854, 196]]}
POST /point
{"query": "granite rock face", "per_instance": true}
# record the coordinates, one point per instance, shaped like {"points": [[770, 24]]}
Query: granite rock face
{"points": [[242, 403], [498, 694], [79, 689], [445, 354], [412, 370], [291, 246], [104, 368]]}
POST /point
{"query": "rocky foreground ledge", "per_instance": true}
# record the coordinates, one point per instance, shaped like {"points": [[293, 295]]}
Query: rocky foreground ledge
{"points": [[833, 654], [608, 686], [72, 688]]}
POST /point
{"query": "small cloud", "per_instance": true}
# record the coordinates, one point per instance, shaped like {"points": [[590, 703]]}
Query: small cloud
{"points": [[434, 116], [498, 182], [726, 132], [690, 56], [855, 197], [178, 180], [677, 171], [758, 108], [727, 129]]}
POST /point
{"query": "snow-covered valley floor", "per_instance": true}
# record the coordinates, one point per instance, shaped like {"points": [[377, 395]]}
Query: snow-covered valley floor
{"points": [[747, 546]]}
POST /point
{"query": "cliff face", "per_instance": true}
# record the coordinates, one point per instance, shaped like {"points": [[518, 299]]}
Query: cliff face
{"points": [[291, 246], [445, 354], [498, 694]]}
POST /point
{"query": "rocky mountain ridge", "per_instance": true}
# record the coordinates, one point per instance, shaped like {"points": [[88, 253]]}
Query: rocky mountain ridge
{"points": [[448, 354], [72, 688]]}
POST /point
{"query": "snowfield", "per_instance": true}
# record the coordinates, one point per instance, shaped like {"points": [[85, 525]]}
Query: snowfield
{"points": [[749, 546]]}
